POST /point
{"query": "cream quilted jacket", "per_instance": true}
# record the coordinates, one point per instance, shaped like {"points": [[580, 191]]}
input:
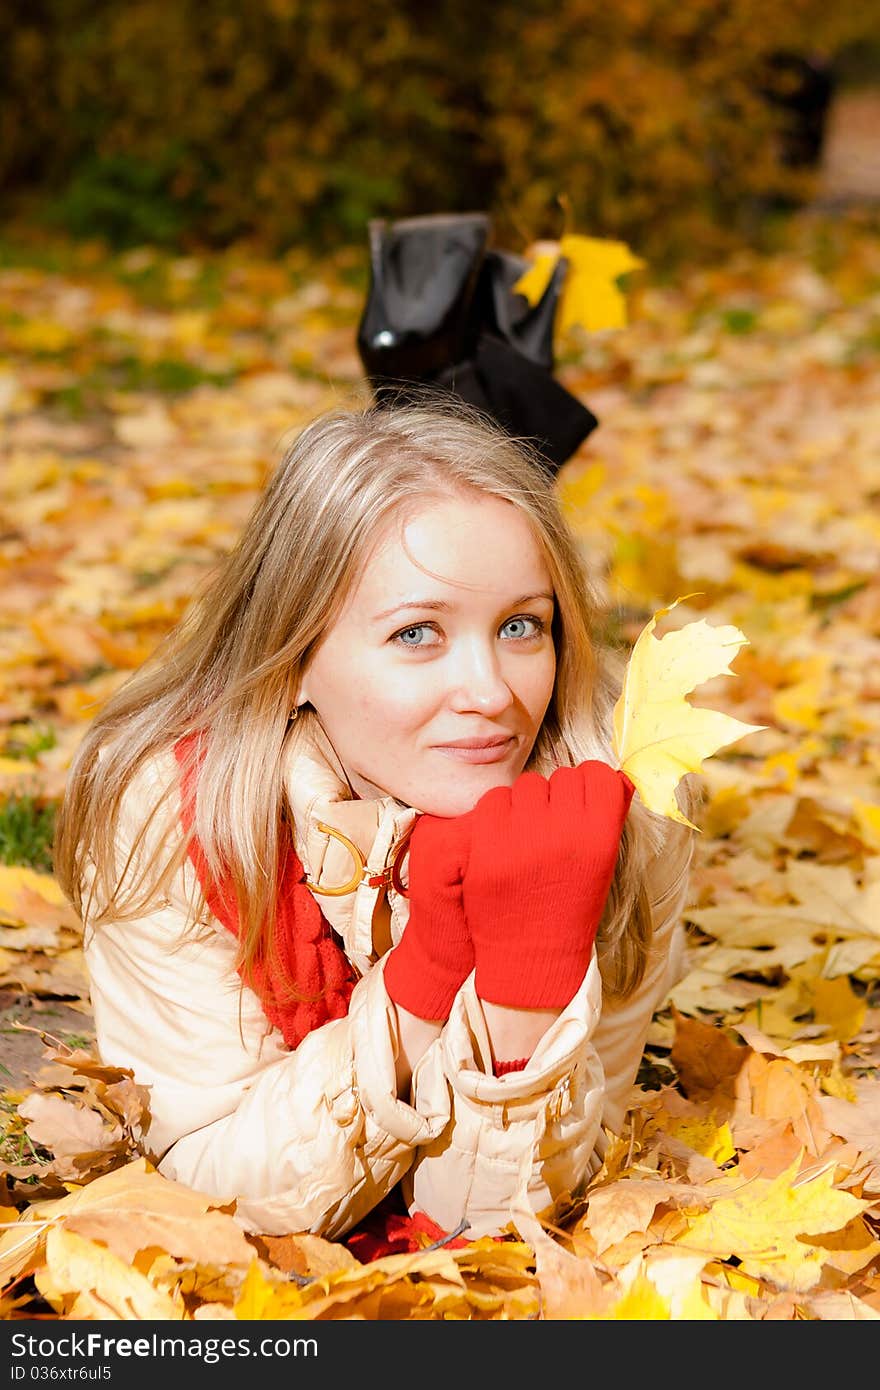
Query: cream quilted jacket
{"points": [[312, 1139]]}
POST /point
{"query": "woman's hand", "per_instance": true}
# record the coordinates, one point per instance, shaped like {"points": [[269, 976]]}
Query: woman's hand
{"points": [[435, 955], [541, 859], [517, 888]]}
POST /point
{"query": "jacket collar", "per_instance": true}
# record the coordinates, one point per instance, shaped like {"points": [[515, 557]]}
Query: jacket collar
{"points": [[327, 816]]}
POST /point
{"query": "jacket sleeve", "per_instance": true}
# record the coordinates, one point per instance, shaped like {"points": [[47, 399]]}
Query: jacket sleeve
{"points": [[304, 1140], [531, 1138], [623, 1028], [520, 1141]]}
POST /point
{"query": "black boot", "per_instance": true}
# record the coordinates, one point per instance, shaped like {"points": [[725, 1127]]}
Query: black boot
{"points": [[441, 310]]}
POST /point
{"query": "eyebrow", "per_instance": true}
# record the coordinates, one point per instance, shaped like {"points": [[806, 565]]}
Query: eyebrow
{"points": [[434, 605]]}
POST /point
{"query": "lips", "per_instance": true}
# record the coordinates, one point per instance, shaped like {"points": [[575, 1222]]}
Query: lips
{"points": [[493, 749]]}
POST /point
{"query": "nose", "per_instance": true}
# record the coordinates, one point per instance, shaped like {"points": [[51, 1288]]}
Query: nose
{"points": [[478, 683]]}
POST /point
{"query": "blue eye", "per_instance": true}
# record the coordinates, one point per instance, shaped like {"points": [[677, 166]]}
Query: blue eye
{"points": [[522, 628], [415, 636]]}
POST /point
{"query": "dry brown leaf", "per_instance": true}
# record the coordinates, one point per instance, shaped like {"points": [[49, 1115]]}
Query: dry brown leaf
{"points": [[706, 1061], [212, 1238], [628, 1206], [131, 1191], [569, 1286], [859, 1120], [64, 1127], [841, 1306]]}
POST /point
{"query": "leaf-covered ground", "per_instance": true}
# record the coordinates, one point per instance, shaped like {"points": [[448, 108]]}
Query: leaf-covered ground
{"points": [[143, 402]]}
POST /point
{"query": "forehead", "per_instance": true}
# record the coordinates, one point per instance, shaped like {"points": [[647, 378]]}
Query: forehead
{"points": [[469, 543]]}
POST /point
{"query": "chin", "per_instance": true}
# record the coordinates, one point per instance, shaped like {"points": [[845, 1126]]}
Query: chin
{"points": [[448, 807], [458, 800]]}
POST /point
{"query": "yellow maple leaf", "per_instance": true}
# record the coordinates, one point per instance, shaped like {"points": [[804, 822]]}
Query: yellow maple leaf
{"points": [[475, 1281], [42, 335], [837, 1006], [591, 297], [706, 1137], [695, 1306], [867, 820], [13, 767], [141, 1203], [778, 1014], [257, 1296], [18, 884], [83, 1280], [641, 1303], [658, 735], [765, 1222]]}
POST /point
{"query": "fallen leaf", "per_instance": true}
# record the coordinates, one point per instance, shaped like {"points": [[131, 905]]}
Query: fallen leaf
{"points": [[84, 1280], [764, 1222], [569, 1285], [658, 735], [134, 1190], [64, 1127], [706, 1061], [591, 297], [24, 891]]}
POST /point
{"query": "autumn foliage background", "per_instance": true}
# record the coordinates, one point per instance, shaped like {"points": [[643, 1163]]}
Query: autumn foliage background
{"points": [[182, 268], [284, 121]]}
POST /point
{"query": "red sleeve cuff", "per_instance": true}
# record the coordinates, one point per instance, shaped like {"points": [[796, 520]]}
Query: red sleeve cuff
{"points": [[502, 1068]]}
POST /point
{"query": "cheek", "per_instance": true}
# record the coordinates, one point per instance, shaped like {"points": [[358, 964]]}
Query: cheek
{"points": [[392, 706], [533, 684]]}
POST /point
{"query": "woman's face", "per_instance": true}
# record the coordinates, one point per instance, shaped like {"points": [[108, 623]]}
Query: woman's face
{"points": [[433, 681]]}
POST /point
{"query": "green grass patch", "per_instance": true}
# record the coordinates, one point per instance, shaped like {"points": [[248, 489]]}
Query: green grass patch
{"points": [[739, 320], [846, 591], [71, 400], [16, 1148], [26, 741], [149, 274], [27, 830], [168, 375]]}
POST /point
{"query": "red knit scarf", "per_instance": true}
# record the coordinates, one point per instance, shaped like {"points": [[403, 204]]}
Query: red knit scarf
{"points": [[303, 977]]}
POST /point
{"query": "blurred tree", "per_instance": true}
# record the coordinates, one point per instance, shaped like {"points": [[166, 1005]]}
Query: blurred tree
{"points": [[297, 120]]}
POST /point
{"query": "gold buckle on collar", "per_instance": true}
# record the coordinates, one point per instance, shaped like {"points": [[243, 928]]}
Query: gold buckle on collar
{"points": [[389, 877]]}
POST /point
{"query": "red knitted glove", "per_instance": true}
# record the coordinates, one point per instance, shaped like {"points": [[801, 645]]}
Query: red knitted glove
{"points": [[433, 958], [542, 857]]}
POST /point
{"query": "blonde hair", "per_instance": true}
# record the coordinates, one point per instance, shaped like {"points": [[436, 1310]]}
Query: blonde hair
{"points": [[231, 670]]}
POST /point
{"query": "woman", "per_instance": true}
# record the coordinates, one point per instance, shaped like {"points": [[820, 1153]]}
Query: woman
{"points": [[342, 848]]}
